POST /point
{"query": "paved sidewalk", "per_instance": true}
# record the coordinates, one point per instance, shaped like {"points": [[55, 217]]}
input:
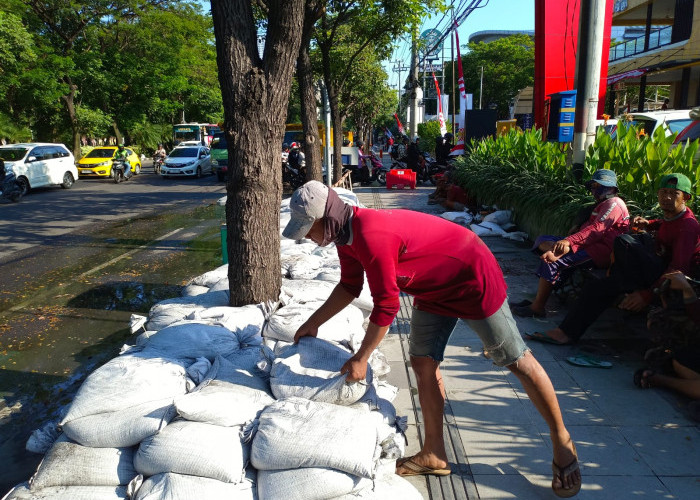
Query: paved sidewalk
{"points": [[631, 443]]}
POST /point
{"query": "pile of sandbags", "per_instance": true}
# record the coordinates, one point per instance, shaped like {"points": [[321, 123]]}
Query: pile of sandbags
{"points": [[217, 402]]}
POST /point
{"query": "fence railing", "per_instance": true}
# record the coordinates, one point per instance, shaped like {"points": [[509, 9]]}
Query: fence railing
{"points": [[657, 38]]}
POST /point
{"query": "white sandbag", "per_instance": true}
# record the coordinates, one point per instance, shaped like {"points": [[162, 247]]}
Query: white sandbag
{"points": [[43, 438], [69, 464], [137, 322], [190, 340], [198, 370], [229, 396], [329, 274], [171, 486], [196, 449], [365, 301], [296, 432], [499, 217], [22, 492], [209, 278], [311, 483], [192, 290], [121, 428], [300, 266], [487, 229], [127, 381], [389, 487], [291, 247], [169, 311], [379, 363], [345, 327], [311, 370], [463, 218], [246, 321], [516, 236], [302, 291]]}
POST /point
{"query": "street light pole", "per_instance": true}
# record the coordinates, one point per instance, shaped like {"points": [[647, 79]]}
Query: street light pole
{"points": [[481, 87]]}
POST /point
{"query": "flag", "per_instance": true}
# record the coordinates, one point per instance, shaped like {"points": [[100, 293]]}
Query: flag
{"points": [[441, 117], [398, 122], [388, 133], [458, 148]]}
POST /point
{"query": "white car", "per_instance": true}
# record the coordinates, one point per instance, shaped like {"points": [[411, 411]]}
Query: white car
{"points": [[39, 164], [187, 161], [672, 120]]}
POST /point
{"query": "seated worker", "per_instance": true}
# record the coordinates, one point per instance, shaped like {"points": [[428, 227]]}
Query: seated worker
{"points": [[590, 246], [685, 363], [639, 271]]}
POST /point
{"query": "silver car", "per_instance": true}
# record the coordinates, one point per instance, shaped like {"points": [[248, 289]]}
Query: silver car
{"points": [[183, 161]]}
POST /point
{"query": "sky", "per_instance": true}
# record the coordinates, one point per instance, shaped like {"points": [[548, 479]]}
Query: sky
{"points": [[492, 15]]}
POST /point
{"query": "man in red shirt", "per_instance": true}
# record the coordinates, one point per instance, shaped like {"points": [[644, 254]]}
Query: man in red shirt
{"points": [[452, 274]]}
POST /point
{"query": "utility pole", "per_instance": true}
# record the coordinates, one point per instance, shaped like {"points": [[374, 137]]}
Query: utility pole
{"points": [[587, 80], [398, 67], [413, 124], [481, 87]]}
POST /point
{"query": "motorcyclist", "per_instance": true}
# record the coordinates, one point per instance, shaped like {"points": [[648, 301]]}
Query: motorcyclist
{"points": [[296, 158], [160, 152], [285, 152], [414, 156], [123, 154]]}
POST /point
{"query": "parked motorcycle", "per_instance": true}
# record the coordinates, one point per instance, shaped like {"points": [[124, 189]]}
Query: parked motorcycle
{"points": [[119, 168], [10, 189], [374, 168]]}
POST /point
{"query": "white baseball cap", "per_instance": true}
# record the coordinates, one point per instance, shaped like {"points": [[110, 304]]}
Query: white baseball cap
{"points": [[307, 204]]}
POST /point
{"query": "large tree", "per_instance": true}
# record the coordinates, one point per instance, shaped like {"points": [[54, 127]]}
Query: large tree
{"points": [[255, 93]]}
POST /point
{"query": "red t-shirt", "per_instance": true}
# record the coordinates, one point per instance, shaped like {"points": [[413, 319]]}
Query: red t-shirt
{"points": [[446, 267], [679, 241]]}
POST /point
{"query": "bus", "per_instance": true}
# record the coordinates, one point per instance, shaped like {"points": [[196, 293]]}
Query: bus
{"points": [[203, 133], [294, 132]]}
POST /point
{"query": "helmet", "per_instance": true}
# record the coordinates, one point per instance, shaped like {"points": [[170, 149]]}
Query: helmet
{"points": [[359, 144], [121, 145], [448, 136], [285, 145], [294, 145], [415, 138]]}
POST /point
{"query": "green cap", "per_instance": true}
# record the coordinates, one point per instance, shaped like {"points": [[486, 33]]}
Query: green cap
{"points": [[676, 181]]}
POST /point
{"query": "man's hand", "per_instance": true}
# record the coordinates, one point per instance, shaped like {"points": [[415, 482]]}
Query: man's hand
{"points": [[561, 247], [305, 330], [549, 257], [356, 369], [639, 223], [634, 301]]}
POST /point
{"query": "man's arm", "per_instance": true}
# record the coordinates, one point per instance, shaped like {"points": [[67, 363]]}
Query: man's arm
{"points": [[336, 302], [356, 367]]}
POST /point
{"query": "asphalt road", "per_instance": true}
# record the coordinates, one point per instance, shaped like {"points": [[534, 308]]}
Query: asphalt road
{"points": [[45, 215]]}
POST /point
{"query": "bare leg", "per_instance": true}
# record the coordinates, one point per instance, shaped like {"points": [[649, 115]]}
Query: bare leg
{"points": [[544, 290], [541, 392], [431, 393], [546, 246]]}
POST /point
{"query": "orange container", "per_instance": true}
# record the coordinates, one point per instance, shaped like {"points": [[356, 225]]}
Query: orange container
{"points": [[400, 178]]}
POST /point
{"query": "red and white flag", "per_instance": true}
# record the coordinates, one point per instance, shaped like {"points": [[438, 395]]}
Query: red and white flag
{"points": [[441, 116], [398, 122]]}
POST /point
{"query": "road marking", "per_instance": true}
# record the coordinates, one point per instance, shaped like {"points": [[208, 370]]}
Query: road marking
{"points": [[125, 255]]}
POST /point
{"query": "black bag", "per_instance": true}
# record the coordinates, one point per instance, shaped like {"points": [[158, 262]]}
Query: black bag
{"points": [[636, 264]]}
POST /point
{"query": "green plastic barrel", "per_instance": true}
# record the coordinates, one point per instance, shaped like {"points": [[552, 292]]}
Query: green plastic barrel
{"points": [[224, 247]]}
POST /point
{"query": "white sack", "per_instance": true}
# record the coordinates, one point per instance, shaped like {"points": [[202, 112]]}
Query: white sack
{"points": [[170, 486], [42, 438], [499, 217], [190, 340], [209, 278], [69, 464], [311, 370], [295, 433], [311, 483], [127, 381], [22, 492], [463, 218], [192, 290], [228, 396], [169, 311], [300, 266], [345, 327], [302, 291], [246, 321], [121, 428], [487, 229], [386, 488], [196, 449]]}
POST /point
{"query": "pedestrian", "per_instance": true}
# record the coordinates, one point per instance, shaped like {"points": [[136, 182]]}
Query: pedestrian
{"points": [[452, 274], [664, 106]]}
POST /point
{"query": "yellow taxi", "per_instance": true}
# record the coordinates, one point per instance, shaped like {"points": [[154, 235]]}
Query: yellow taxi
{"points": [[98, 162]]}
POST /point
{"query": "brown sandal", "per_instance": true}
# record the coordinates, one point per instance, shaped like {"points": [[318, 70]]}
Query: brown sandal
{"points": [[562, 472]]}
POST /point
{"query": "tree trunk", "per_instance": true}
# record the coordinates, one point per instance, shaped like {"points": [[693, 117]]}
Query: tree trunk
{"points": [[254, 91], [337, 121], [69, 99], [307, 95]]}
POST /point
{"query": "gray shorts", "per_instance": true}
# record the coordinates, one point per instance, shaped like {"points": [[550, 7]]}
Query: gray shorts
{"points": [[498, 333]]}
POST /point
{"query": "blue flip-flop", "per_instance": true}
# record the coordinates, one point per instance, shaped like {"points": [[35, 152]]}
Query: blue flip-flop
{"points": [[588, 361]]}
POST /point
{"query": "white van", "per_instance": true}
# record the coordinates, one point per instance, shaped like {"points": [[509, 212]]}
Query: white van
{"points": [[40, 164]]}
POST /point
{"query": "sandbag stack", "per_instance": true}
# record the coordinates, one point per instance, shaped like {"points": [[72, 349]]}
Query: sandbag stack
{"points": [[217, 402]]}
